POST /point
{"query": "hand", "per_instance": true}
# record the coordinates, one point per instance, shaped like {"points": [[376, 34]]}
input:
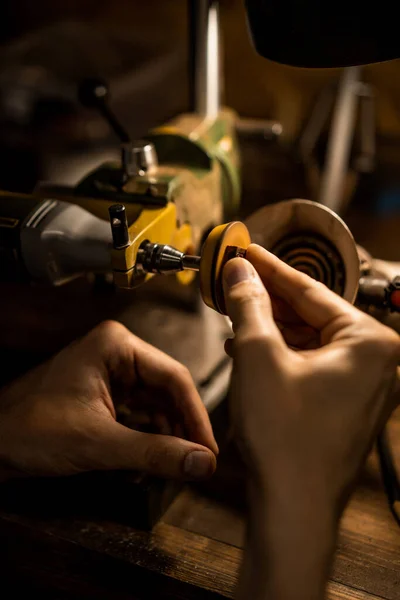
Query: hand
{"points": [[60, 419], [305, 419]]}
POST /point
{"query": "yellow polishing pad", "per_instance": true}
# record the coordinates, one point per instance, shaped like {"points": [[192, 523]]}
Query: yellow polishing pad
{"points": [[220, 247]]}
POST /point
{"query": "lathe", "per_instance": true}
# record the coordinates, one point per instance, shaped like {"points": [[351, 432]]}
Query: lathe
{"points": [[168, 208]]}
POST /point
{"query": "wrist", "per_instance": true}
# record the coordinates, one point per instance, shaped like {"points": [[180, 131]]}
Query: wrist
{"points": [[291, 537]]}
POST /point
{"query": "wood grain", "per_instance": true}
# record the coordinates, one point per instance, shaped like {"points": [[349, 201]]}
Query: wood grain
{"points": [[179, 562], [194, 552], [337, 591]]}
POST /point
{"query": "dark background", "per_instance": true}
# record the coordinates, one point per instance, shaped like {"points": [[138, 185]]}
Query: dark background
{"points": [[141, 49]]}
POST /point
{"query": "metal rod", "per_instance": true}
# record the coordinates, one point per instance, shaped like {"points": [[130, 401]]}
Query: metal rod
{"points": [[365, 162], [192, 54], [93, 93], [340, 140], [204, 20], [191, 263], [316, 123]]}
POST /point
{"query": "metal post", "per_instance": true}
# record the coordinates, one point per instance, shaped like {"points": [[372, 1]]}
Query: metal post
{"points": [[205, 51], [340, 140]]}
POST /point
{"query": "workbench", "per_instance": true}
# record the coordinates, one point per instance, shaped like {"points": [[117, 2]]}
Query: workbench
{"points": [[194, 551]]}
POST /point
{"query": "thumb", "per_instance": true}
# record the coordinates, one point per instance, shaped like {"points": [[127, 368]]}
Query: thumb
{"points": [[248, 303], [161, 455]]}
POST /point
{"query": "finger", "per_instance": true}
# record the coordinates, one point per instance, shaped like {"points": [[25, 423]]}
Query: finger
{"points": [[248, 305], [284, 313], [135, 419], [162, 424], [178, 431], [312, 301], [154, 368], [300, 337], [129, 358], [118, 447]]}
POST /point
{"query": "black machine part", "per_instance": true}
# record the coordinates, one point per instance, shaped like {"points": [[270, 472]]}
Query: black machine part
{"points": [[55, 242], [62, 241], [379, 292], [313, 33]]}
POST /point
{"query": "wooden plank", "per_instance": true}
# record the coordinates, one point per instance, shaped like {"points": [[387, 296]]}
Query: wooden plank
{"points": [[368, 553], [204, 515], [197, 546], [336, 591], [134, 565], [181, 564], [195, 552]]}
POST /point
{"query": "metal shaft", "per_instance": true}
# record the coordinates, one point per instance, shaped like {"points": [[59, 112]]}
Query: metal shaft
{"points": [[340, 140], [191, 263], [164, 259], [205, 38]]}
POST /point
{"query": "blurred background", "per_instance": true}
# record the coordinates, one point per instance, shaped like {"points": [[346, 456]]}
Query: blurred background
{"points": [[141, 49]]}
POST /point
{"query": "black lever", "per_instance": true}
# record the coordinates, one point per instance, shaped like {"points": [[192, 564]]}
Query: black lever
{"points": [[119, 226], [93, 93], [137, 158]]}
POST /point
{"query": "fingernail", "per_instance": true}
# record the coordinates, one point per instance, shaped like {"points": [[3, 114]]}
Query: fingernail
{"points": [[197, 465], [236, 271]]}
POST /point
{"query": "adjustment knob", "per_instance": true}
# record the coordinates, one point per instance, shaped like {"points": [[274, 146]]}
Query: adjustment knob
{"points": [[140, 157]]}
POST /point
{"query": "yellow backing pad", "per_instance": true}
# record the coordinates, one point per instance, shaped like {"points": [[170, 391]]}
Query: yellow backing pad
{"points": [[213, 258]]}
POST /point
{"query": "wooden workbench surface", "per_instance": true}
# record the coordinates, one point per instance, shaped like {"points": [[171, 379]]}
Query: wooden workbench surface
{"points": [[194, 551]]}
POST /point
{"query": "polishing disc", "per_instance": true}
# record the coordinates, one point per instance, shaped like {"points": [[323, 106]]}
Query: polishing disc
{"points": [[214, 255]]}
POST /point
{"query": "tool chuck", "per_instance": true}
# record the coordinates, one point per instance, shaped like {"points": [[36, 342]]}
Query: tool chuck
{"points": [[164, 259]]}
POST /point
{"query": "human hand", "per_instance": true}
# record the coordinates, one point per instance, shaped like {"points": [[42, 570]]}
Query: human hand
{"points": [[60, 419], [304, 419], [344, 372]]}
